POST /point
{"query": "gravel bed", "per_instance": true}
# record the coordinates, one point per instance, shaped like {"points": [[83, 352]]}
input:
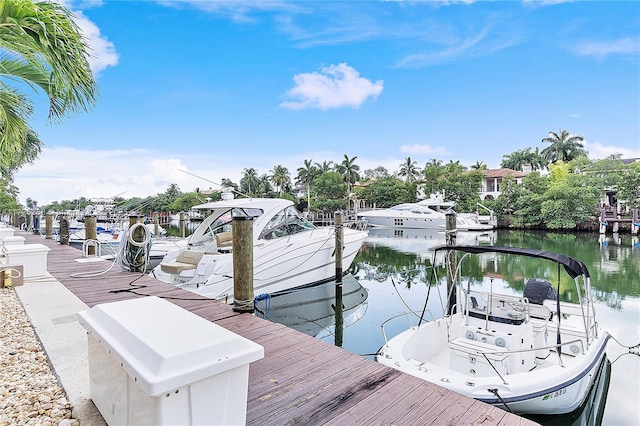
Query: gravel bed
{"points": [[30, 392]]}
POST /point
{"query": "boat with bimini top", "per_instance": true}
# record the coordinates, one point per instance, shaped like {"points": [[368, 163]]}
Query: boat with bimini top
{"points": [[530, 354]]}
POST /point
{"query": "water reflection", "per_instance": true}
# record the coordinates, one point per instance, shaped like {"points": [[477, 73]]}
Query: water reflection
{"points": [[312, 310]]}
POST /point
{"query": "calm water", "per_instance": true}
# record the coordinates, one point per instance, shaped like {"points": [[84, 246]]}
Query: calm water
{"points": [[389, 276]]}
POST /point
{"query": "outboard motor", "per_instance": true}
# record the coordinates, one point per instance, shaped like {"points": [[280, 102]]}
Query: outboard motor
{"points": [[537, 290]]}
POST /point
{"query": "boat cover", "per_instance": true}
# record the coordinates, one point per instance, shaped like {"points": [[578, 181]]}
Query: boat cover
{"points": [[574, 267]]}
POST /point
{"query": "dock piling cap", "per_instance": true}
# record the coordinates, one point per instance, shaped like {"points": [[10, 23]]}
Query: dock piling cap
{"points": [[163, 346]]}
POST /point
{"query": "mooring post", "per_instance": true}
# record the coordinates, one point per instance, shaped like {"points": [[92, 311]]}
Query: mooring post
{"points": [[339, 245], [242, 229], [337, 307], [635, 222], [48, 226], [182, 233], [64, 230], [451, 231], [90, 232], [36, 223], [603, 221], [156, 221]]}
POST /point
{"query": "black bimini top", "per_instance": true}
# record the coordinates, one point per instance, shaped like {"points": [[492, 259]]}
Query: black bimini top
{"points": [[574, 267]]}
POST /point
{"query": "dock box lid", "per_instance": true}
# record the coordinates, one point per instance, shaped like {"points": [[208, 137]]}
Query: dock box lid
{"points": [[12, 239], [25, 248], [162, 346]]}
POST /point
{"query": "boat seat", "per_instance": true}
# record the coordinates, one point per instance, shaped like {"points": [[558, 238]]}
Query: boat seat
{"points": [[186, 260], [224, 239]]}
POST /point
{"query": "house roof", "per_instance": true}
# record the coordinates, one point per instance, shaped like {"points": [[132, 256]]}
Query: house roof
{"points": [[497, 173], [629, 160]]}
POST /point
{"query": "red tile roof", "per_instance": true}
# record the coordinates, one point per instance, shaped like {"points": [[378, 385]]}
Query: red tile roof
{"points": [[497, 173]]}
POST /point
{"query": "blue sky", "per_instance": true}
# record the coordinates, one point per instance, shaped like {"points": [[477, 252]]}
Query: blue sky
{"points": [[214, 87]]}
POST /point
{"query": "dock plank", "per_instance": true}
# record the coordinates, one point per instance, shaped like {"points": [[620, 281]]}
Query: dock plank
{"points": [[301, 379]]}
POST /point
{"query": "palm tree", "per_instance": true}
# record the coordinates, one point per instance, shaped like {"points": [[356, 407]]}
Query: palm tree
{"points": [[249, 181], [564, 147], [326, 166], [43, 48], [306, 176], [409, 170], [280, 177], [349, 170], [515, 160], [27, 154], [264, 185], [479, 165]]}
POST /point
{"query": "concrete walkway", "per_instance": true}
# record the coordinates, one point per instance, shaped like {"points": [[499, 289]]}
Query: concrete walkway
{"points": [[52, 309]]}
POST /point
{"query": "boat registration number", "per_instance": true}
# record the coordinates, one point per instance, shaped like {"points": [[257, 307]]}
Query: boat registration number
{"points": [[555, 394]]}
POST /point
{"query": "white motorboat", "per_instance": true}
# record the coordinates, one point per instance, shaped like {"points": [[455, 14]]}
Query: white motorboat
{"points": [[288, 250], [406, 215], [529, 354], [464, 221]]}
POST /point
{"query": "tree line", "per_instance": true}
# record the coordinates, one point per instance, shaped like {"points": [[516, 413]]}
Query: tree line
{"points": [[565, 197], [42, 48]]}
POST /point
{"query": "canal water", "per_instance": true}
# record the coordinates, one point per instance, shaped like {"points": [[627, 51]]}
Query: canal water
{"points": [[389, 278]]}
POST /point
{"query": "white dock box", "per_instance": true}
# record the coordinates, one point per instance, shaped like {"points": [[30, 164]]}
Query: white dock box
{"points": [[5, 231], [32, 256], [154, 363], [12, 240]]}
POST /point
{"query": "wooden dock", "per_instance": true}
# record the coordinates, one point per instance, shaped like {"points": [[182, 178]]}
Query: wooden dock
{"points": [[301, 380]]}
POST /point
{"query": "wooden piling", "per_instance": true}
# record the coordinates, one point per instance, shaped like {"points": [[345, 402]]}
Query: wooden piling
{"points": [[337, 307], [156, 222], [450, 235], [90, 233], [338, 245], [64, 230], [182, 230], [603, 221], [36, 224], [48, 224], [242, 228]]}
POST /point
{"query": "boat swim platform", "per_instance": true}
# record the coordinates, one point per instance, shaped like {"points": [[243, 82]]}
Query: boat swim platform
{"points": [[301, 379]]}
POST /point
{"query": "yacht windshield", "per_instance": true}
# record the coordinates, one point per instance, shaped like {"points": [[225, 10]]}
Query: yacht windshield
{"points": [[286, 222], [217, 223]]}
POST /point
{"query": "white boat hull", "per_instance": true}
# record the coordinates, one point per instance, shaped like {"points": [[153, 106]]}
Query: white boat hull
{"points": [[279, 264], [557, 389]]}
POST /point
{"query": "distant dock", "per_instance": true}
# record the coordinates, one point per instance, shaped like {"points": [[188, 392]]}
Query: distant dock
{"points": [[301, 380]]}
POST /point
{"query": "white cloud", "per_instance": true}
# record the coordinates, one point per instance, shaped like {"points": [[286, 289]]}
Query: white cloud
{"points": [[64, 173], [421, 149], [335, 86], [600, 49], [103, 52], [492, 37], [598, 151]]}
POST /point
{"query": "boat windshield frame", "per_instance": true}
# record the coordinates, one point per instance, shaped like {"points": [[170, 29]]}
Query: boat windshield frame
{"points": [[413, 208], [222, 222], [287, 221]]}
